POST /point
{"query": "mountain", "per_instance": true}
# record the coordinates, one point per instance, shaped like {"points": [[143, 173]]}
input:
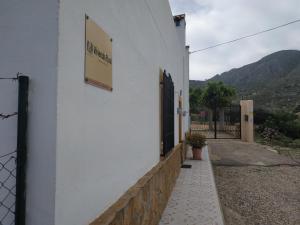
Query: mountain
{"points": [[272, 82]]}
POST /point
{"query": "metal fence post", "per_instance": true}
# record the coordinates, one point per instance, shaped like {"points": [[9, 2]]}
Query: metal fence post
{"points": [[21, 151]]}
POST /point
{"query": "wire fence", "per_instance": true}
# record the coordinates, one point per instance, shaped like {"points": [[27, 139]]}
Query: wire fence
{"points": [[6, 116], [12, 166], [8, 167]]}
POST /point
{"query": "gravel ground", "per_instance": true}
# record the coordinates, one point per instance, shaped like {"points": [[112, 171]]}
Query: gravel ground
{"points": [[259, 195], [255, 193]]}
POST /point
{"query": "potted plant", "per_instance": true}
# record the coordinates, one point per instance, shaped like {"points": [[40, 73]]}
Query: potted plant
{"points": [[197, 141]]}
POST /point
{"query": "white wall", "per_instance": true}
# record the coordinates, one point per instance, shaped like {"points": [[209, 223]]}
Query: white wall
{"points": [[186, 86], [87, 146], [107, 140], [181, 32], [28, 44]]}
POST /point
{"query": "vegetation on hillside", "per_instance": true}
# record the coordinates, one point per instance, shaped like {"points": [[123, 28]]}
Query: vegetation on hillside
{"points": [[280, 128], [272, 82]]}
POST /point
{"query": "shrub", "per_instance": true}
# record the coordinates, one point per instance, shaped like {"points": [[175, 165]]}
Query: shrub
{"points": [[283, 122], [261, 115], [297, 109], [282, 140], [295, 143], [196, 140], [292, 129], [269, 134]]}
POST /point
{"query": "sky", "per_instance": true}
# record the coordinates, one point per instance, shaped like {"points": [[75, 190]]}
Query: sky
{"points": [[210, 22]]}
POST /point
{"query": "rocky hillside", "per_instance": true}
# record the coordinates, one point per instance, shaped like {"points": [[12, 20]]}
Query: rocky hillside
{"points": [[273, 82]]}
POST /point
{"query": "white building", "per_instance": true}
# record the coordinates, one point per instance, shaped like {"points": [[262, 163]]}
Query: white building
{"points": [[87, 146]]}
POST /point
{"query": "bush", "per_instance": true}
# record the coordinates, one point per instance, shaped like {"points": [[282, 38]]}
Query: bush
{"points": [[269, 134], [297, 109], [282, 129], [295, 143], [260, 116], [282, 140], [292, 129], [283, 122], [274, 137], [196, 140]]}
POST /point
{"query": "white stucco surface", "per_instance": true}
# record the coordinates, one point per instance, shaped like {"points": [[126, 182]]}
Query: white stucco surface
{"points": [[28, 43], [86, 145], [107, 140], [186, 88]]}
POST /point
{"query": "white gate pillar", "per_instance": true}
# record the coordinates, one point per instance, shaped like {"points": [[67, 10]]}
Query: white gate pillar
{"points": [[247, 132]]}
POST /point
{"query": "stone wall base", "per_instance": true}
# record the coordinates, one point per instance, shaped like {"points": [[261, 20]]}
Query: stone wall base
{"points": [[144, 203]]}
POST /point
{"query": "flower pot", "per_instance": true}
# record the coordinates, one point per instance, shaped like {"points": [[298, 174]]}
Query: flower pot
{"points": [[197, 153]]}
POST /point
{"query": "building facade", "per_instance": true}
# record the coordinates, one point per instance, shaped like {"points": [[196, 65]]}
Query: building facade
{"points": [[87, 145]]}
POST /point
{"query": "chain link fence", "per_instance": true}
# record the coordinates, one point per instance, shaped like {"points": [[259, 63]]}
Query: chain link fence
{"points": [[13, 162], [8, 168]]}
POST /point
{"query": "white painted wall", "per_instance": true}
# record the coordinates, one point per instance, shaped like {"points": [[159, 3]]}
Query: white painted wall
{"points": [[181, 32], [87, 146], [28, 44], [106, 140], [186, 86]]}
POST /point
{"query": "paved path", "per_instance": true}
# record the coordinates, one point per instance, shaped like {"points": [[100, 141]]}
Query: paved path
{"points": [[256, 186], [194, 200]]}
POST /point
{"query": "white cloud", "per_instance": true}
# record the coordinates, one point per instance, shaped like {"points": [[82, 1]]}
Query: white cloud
{"points": [[211, 22]]}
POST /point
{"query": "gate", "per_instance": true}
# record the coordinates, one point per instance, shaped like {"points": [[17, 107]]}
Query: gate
{"points": [[13, 158], [223, 123]]}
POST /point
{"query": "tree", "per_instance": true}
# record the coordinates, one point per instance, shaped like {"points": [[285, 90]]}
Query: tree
{"points": [[195, 99], [216, 95], [297, 109]]}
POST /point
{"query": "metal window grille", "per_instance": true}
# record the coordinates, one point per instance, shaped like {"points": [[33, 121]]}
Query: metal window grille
{"points": [[168, 113]]}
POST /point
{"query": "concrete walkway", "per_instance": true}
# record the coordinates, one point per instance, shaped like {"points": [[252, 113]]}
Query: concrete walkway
{"points": [[194, 200]]}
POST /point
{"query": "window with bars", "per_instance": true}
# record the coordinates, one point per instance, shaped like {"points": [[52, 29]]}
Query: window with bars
{"points": [[167, 111]]}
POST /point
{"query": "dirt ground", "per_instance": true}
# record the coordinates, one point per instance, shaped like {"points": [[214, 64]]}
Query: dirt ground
{"points": [[256, 186]]}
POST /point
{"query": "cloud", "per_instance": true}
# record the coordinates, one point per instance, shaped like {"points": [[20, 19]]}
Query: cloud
{"points": [[190, 6], [211, 22]]}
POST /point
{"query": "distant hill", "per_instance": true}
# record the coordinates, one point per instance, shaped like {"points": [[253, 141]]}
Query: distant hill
{"points": [[272, 82]]}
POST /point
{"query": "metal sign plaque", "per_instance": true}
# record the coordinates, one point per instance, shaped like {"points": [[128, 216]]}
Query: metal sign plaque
{"points": [[98, 56]]}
